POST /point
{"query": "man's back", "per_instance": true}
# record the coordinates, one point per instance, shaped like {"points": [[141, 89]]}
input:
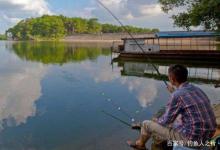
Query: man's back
{"points": [[198, 119], [190, 105]]}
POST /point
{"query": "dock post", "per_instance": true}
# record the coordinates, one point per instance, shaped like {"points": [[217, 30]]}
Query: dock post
{"points": [[209, 44], [181, 44], [197, 45], [190, 43], [167, 44]]}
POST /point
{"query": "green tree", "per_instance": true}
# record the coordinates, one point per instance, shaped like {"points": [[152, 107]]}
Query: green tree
{"points": [[42, 27], [204, 13], [80, 25], [68, 24], [109, 28], [48, 27], [3, 37], [94, 26]]}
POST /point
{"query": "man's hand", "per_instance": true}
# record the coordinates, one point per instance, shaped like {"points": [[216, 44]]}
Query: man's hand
{"points": [[170, 88]]}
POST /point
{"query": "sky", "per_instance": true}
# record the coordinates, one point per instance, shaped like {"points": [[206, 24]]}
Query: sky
{"points": [[142, 13]]}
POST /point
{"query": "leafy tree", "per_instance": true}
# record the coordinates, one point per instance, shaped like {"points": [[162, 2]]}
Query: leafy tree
{"points": [[43, 27], [2, 37], [198, 12], [109, 28], [94, 26], [80, 25], [68, 24], [48, 27]]}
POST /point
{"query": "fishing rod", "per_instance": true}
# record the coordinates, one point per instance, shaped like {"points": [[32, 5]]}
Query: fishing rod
{"points": [[116, 118], [117, 19]]}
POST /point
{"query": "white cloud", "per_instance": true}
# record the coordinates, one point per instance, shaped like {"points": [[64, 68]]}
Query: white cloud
{"points": [[150, 10], [112, 2], [137, 8], [129, 16], [11, 19], [12, 11], [144, 13]]}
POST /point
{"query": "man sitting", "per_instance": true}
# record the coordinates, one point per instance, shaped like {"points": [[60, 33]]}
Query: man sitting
{"points": [[188, 118]]}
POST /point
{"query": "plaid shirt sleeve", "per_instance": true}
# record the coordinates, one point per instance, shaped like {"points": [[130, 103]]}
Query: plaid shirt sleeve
{"points": [[172, 111]]}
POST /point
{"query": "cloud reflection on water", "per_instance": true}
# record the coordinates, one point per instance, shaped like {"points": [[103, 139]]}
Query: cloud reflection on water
{"points": [[19, 89], [146, 89]]}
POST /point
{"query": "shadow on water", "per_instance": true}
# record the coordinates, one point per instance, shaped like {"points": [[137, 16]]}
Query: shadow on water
{"points": [[57, 52]]}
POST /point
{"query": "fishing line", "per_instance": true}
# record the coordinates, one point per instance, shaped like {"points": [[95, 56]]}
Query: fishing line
{"points": [[116, 118], [117, 19], [132, 117], [114, 104], [122, 110], [119, 108]]}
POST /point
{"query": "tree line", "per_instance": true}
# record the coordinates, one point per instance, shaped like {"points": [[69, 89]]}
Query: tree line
{"points": [[55, 27], [2, 37]]}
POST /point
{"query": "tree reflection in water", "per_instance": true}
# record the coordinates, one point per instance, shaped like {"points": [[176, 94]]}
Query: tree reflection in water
{"points": [[57, 52]]}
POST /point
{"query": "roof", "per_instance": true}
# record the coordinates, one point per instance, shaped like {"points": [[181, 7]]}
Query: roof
{"points": [[186, 34], [141, 38], [178, 34]]}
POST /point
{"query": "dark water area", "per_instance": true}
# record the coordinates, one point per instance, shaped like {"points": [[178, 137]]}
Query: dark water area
{"points": [[52, 96]]}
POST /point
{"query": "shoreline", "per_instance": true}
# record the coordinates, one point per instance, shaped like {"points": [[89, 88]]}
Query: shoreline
{"points": [[89, 41]]}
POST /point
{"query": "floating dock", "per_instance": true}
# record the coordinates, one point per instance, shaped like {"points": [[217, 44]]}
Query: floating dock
{"points": [[197, 45], [177, 55]]}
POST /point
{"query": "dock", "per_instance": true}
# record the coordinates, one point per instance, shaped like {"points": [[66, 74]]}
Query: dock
{"points": [[196, 45], [177, 55]]}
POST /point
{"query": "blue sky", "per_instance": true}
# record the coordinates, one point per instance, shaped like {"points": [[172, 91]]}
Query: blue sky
{"points": [[68, 6], [143, 13]]}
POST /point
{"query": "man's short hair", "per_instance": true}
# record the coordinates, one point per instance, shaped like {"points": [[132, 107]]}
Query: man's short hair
{"points": [[180, 72]]}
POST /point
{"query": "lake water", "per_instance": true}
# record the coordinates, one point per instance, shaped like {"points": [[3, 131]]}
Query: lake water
{"points": [[52, 96]]}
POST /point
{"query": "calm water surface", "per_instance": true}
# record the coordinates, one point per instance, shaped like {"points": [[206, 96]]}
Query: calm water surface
{"points": [[52, 96]]}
